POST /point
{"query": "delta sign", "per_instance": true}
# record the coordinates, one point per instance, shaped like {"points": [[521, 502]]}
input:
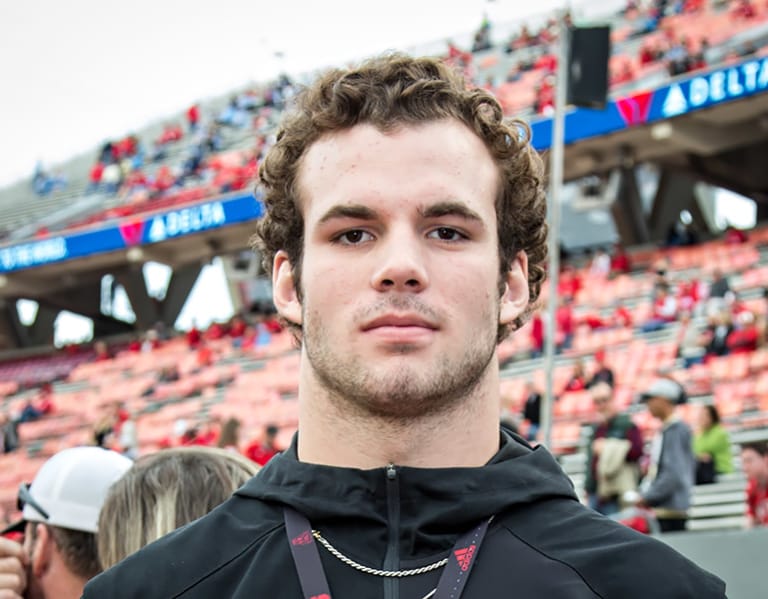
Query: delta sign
{"points": [[680, 97], [133, 231]]}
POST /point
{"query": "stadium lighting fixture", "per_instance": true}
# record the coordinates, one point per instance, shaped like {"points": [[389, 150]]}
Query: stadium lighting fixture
{"points": [[134, 254], [661, 131]]}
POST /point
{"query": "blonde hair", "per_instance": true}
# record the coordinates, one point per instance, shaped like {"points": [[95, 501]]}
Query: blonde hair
{"points": [[164, 491]]}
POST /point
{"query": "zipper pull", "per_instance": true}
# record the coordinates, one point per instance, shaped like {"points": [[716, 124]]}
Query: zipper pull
{"points": [[391, 472]]}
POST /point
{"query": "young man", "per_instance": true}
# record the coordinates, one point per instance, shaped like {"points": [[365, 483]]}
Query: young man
{"points": [[754, 462], [61, 512], [668, 485], [405, 235]]}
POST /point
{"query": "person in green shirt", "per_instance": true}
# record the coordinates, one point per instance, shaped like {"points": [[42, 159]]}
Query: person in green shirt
{"points": [[711, 446]]}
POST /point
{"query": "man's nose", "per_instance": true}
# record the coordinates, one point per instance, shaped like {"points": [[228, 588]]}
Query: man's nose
{"points": [[400, 264]]}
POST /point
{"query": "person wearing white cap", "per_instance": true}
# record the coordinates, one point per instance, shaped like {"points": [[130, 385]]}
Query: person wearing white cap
{"points": [[668, 485], [60, 518]]}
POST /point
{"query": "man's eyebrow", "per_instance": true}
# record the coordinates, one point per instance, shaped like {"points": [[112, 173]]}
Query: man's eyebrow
{"points": [[449, 208], [356, 211]]}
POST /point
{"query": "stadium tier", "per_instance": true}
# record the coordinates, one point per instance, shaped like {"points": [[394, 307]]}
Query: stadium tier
{"points": [[689, 95], [254, 377], [218, 151]]}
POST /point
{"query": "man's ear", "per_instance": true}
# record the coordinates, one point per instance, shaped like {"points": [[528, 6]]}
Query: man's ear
{"points": [[515, 298], [284, 292], [40, 558]]}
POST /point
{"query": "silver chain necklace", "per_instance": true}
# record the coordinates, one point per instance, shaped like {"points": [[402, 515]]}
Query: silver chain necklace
{"points": [[387, 573]]}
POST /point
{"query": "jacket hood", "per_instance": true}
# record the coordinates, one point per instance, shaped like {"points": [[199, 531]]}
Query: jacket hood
{"points": [[441, 500]]}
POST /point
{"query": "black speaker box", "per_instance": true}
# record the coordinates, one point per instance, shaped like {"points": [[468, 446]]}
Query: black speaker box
{"points": [[588, 53]]}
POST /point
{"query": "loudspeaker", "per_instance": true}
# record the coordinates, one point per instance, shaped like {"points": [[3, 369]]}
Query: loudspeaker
{"points": [[588, 53]]}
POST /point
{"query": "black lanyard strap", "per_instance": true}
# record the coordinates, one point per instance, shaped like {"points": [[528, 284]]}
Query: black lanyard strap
{"points": [[314, 585], [462, 558], [312, 578]]}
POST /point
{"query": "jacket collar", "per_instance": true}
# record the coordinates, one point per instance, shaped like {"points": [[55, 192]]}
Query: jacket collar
{"points": [[428, 497]]}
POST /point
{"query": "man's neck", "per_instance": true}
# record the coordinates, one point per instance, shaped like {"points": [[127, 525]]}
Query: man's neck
{"points": [[466, 436], [63, 585]]}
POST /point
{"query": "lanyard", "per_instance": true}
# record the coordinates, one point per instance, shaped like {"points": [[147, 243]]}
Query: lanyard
{"points": [[314, 584]]}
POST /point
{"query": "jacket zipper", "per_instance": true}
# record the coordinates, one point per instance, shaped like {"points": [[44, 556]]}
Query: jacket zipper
{"points": [[392, 558]]}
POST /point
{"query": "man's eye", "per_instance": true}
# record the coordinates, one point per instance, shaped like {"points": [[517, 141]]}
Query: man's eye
{"points": [[446, 234], [354, 237]]}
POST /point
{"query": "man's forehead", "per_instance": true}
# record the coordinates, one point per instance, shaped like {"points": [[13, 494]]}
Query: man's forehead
{"points": [[364, 165]]}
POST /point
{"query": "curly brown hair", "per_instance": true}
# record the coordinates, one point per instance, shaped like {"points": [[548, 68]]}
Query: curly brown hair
{"points": [[389, 92]]}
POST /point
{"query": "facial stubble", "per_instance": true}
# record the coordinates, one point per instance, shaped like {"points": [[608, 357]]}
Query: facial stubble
{"points": [[415, 389]]}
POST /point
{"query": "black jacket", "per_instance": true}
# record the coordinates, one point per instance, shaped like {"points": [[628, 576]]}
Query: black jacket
{"points": [[542, 542]]}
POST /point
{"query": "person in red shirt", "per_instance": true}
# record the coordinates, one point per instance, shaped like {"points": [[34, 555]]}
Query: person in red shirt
{"points": [[621, 316], [262, 452], [545, 97], [570, 282], [134, 346], [578, 380], [204, 356], [754, 462], [171, 133], [194, 337], [94, 176], [44, 403], [164, 179], [620, 261], [193, 117], [688, 295], [593, 320], [237, 329], [537, 335], [215, 331], [208, 434], [746, 334], [647, 55]]}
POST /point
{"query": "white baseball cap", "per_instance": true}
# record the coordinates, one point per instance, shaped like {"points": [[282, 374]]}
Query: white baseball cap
{"points": [[666, 389], [71, 488]]}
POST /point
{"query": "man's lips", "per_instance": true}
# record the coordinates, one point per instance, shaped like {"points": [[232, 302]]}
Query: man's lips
{"points": [[399, 321]]}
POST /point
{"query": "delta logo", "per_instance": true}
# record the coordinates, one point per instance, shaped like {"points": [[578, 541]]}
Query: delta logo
{"points": [[464, 557], [132, 232], [303, 539], [634, 109]]}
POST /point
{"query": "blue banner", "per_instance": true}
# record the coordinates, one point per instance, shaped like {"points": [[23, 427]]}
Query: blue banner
{"points": [[681, 97], [140, 229]]}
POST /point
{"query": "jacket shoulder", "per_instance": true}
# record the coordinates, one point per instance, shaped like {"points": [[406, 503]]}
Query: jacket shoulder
{"points": [[612, 559]]}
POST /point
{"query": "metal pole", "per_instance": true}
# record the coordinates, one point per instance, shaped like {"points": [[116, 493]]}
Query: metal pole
{"points": [[553, 217]]}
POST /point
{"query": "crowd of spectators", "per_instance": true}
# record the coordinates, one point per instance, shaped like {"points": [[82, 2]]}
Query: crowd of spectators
{"points": [[664, 43], [189, 153], [182, 161]]}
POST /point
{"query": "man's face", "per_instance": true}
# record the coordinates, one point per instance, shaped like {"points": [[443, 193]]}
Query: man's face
{"points": [[603, 399], [34, 585], [657, 406], [400, 276], [754, 465]]}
